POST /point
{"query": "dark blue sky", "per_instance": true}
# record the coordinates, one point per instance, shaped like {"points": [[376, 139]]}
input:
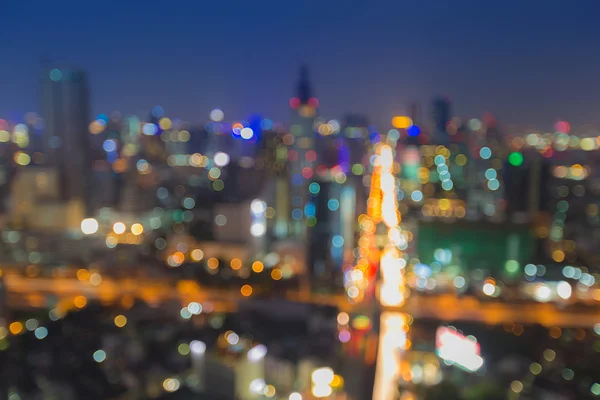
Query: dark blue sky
{"points": [[526, 61]]}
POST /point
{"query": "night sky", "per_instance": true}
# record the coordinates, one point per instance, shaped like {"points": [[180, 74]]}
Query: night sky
{"points": [[526, 61]]}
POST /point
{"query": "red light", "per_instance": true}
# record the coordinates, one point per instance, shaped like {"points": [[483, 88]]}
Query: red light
{"points": [[562, 127], [3, 124], [307, 173], [311, 156], [313, 102], [321, 170], [292, 155], [294, 102]]}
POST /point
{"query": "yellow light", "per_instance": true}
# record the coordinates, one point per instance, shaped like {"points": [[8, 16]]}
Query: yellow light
{"points": [[164, 123], [15, 328], [119, 228], [337, 381], [276, 274], [80, 301], [120, 321], [137, 229], [257, 266], [401, 122], [246, 290], [236, 264], [558, 255], [197, 255], [212, 263]]}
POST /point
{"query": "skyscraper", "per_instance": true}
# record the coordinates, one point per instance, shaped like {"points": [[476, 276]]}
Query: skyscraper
{"points": [[302, 156], [64, 98], [441, 116]]}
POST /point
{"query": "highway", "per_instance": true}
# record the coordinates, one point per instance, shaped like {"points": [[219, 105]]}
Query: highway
{"points": [[39, 292]]}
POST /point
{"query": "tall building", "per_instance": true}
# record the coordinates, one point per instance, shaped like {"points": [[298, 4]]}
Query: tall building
{"points": [[64, 98], [302, 156], [441, 116]]}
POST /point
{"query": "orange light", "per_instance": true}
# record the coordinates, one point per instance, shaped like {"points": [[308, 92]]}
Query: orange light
{"points": [[236, 264], [276, 274], [80, 301], [246, 290], [83, 274], [212, 263], [257, 266], [558, 255], [401, 122], [15, 328], [178, 257]]}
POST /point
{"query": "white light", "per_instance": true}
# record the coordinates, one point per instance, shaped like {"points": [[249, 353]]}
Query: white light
{"points": [[221, 159], [247, 133], [197, 347], [453, 346], [233, 338], [89, 226], [258, 207], [564, 290], [257, 386], [171, 384], [542, 293], [258, 229], [119, 228], [257, 353], [322, 391], [194, 308], [295, 396], [489, 289], [322, 376], [217, 115]]}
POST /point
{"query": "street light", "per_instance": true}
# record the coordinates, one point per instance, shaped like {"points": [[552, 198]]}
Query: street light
{"points": [[89, 226]]}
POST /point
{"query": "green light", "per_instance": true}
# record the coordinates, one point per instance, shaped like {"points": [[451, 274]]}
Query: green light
{"points": [[512, 267], [595, 389], [55, 75], [358, 169], [515, 159], [314, 188]]}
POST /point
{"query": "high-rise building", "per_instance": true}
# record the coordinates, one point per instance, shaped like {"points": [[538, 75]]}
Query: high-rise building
{"points": [[441, 116], [64, 98], [302, 156]]}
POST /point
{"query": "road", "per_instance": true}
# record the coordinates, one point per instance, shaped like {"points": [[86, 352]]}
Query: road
{"points": [[37, 292]]}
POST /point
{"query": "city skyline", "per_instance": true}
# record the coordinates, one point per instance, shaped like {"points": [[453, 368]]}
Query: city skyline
{"points": [[407, 54]]}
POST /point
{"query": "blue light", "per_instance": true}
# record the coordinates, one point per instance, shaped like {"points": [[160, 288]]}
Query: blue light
{"points": [[150, 129], [416, 195], [266, 124], [374, 137], [337, 241], [297, 214], [314, 188], [297, 201], [485, 153], [103, 117], [310, 210], [333, 204], [158, 112], [297, 180], [109, 146], [447, 185], [491, 174], [439, 160], [493, 184], [423, 270], [413, 131]]}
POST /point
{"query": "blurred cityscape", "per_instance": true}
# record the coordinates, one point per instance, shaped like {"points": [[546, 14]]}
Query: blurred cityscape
{"points": [[439, 257]]}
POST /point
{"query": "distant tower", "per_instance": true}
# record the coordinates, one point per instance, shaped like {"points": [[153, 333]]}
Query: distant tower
{"points": [[302, 154], [441, 116], [64, 96]]}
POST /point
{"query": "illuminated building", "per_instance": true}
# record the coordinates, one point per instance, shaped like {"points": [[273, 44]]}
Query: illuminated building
{"points": [[300, 156], [64, 98]]}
